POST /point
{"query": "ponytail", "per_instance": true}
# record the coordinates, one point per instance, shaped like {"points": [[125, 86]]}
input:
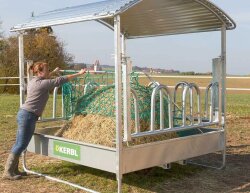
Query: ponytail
{"points": [[37, 67]]}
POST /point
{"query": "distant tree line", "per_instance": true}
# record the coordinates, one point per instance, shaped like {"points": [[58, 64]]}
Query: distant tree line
{"points": [[155, 70], [195, 73], [39, 45]]}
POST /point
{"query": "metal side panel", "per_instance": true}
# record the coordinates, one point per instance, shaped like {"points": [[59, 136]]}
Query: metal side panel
{"points": [[92, 156], [158, 153]]}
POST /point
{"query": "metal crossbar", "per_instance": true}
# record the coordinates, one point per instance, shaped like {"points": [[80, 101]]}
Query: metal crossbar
{"points": [[54, 178]]}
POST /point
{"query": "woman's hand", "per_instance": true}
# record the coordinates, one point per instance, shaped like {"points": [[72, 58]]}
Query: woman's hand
{"points": [[82, 71], [56, 70]]}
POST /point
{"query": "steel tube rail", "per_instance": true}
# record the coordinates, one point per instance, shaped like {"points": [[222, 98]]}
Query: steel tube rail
{"points": [[191, 76], [21, 68], [126, 92], [9, 84], [85, 88], [161, 110], [232, 89], [54, 102], [201, 88], [126, 102], [118, 100], [63, 113], [170, 113], [152, 122], [50, 119], [184, 105], [206, 99], [211, 87], [223, 78], [174, 129], [153, 83], [223, 85], [189, 87], [10, 77], [90, 71], [53, 178], [193, 85], [191, 101], [211, 115], [183, 84], [88, 86], [136, 109]]}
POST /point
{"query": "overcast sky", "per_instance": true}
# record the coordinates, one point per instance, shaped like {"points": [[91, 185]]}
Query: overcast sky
{"points": [[89, 41]]}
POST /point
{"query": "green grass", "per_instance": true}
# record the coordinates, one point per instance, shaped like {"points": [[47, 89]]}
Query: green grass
{"points": [[238, 104], [141, 181], [149, 180]]}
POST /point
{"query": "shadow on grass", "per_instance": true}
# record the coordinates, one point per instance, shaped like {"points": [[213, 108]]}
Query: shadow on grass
{"points": [[146, 179]]}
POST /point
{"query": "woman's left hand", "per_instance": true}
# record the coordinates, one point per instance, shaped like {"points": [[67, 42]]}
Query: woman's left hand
{"points": [[56, 70]]}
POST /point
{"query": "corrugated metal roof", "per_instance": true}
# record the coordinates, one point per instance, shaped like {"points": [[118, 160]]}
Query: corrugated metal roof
{"points": [[140, 18]]}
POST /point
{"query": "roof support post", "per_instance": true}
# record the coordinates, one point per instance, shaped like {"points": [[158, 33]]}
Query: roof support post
{"points": [[223, 92], [224, 74], [21, 68], [126, 92], [118, 100]]}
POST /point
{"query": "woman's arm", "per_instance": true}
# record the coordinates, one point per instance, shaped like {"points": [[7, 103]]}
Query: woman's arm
{"points": [[56, 82], [72, 76]]}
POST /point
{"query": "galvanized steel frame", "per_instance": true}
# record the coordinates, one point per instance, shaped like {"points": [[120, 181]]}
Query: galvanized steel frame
{"points": [[118, 100], [119, 40], [21, 67]]}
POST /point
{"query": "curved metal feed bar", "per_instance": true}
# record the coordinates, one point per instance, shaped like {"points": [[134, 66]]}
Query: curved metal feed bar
{"points": [[211, 87], [185, 91], [54, 101], [89, 85], [183, 84], [137, 117], [170, 113], [193, 85], [153, 84]]}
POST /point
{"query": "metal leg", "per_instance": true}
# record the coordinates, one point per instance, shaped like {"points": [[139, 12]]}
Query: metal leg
{"points": [[119, 184], [166, 166], [53, 178]]}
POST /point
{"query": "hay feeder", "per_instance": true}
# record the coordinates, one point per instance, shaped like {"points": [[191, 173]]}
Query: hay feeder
{"points": [[131, 19]]}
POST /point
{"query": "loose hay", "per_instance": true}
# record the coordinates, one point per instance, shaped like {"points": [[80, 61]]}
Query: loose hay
{"points": [[94, 129], [98, 129]]}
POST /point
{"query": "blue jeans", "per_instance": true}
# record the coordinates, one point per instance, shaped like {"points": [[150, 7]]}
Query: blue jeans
{"points": [[26, 126]]}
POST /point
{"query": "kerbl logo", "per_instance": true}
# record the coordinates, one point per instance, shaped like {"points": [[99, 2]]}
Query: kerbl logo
{"points": [[67, 150]]}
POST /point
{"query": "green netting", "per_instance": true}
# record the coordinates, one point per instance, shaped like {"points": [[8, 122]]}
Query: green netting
{"points": [[71, 92], [99, 97]]}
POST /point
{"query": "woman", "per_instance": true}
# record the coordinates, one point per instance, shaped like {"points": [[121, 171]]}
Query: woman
{"points": [[37, 97]]}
